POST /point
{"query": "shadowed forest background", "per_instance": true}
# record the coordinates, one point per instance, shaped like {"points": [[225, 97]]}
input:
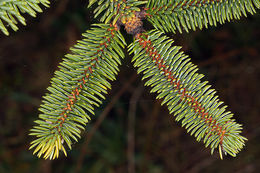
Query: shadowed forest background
{"points": [[228, 56]]}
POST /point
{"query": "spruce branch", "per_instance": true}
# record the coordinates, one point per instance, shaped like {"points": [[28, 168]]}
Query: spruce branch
{"points": [[175, 79], [172, 15], [84, 75], [10, 12], [76, 88]]}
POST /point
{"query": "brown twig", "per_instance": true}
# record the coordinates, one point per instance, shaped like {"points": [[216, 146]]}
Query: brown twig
{"points": [[99, 121], [150, 131], [131, 129], [222, 57]]}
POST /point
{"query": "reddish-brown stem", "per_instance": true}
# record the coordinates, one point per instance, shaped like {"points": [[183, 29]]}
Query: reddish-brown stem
{"points": [[72, 98], [183, 92]]}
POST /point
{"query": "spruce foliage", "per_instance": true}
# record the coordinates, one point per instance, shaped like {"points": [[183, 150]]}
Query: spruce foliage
{"points": [[171, 74], [76, 89], [84, 75]]}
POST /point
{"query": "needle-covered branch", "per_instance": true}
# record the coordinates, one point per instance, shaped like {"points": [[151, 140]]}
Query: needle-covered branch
{"points": [[76, 89], [171, 74]]}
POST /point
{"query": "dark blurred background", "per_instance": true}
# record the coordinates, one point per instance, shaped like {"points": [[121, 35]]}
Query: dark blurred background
{"points": [[228, 55]]}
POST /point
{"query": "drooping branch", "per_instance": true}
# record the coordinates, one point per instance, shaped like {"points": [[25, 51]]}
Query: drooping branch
{"points": [[175, 80], [76, 88]]}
